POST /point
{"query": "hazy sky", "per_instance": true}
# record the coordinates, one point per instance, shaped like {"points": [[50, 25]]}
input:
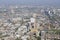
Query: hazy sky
{"points": [[32, 2]]}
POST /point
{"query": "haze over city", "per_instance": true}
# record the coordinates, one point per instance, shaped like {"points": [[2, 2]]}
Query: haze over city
{"points": [[31, 2], [29, 19]]}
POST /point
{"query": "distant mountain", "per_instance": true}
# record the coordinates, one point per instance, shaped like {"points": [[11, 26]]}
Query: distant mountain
{"points": [[31, 2]]}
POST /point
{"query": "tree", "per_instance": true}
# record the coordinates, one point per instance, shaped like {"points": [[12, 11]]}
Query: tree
{"points": [[38, 38], [17, 38]]}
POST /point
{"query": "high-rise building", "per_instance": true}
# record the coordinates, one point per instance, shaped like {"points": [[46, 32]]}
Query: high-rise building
{"points": [[33, 26]]}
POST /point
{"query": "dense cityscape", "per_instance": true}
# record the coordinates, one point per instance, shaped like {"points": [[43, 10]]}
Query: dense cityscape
{"points": [[29, 23]]}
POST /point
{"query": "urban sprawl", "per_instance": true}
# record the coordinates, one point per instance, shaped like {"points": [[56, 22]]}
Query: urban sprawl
{"points": [[29, 23]]}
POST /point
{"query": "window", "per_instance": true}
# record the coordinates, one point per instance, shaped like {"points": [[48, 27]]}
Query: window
{"points": [[32, 26]]}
